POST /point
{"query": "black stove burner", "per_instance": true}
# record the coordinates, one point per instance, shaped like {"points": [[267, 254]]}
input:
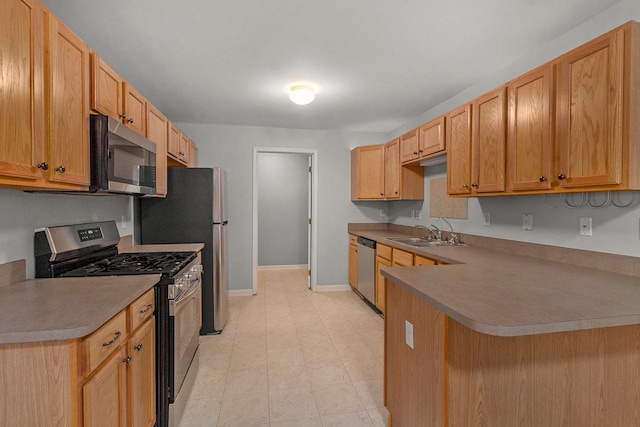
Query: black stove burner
{"points": [[166, 263]]}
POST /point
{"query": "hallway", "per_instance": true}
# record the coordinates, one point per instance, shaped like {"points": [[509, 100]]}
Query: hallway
{"points": [[291, 357]]}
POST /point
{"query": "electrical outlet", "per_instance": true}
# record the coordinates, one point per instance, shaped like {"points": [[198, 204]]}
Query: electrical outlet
{"points": [[409, 333], [123, 220], [487, 218], [527, 222], [585, 227], [418, 214], [382, 213]]}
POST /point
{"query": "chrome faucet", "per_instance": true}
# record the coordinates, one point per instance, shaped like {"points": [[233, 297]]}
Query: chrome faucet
{"points": [[425, 228], [437, 232], [453, 237]]}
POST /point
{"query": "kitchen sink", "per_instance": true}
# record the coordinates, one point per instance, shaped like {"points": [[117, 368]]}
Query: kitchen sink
{"points": [[421, 242]]}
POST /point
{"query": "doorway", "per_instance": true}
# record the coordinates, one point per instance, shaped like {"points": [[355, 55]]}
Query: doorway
{"points": [[284, 225]]}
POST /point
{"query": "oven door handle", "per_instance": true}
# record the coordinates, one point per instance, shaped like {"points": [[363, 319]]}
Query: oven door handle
{"points": [[174, 306]]}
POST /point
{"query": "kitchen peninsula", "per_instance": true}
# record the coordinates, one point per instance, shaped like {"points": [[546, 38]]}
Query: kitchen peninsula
{"points": [[499, 338]]}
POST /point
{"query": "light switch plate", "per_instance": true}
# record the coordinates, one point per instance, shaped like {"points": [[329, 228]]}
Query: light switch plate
{"points": [[409, 333], [585, 227], [487, 218]]}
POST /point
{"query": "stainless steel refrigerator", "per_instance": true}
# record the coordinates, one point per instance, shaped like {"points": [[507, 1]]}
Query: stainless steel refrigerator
{"points": [[195, 211]]}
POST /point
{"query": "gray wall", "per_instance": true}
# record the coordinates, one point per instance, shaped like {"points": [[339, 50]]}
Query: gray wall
{"points": [[231, 147], [615, 230], [22, 213], [283, 199]]}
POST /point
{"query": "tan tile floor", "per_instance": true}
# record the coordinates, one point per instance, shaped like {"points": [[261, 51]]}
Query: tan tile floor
{"points": [[291, 357]]}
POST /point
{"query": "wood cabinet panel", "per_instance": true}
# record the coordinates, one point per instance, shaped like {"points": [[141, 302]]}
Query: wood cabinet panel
{"points": [[157, 131], [432, 138], [381, 282], [106, 88], [66, 104], [590, 108], [384, 251], [489, 142], [135, 109], [409, 146], [530, 138], [103, 396], [353, 263], [392, 170], [100, 344], [585, 378], [421, 260], [402, 258], [367, 172], [21, 103], [141, 310], [458, 135], [141, 377], [414, 377]]}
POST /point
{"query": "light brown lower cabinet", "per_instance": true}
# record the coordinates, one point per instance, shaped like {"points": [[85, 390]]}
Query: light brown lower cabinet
{"points": [[454, 376], [353, 261], [82, 382]]}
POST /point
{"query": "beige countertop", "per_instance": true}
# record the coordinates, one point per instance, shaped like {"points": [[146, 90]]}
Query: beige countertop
{"points": [[70, 308], [65, 308], [499, 293]]}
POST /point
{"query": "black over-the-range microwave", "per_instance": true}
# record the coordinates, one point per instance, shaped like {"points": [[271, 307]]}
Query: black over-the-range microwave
{"points": [[122, 161]]}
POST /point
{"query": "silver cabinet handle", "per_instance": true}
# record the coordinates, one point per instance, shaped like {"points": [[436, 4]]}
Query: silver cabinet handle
{"points": [[116, 338], [44, 166], [60, 169], [138, 347], [130, 120], [127, 361]]}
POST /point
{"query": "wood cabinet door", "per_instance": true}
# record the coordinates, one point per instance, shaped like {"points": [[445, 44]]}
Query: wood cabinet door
{"points": [[392, 170], [489, 142], [432, 137], [173, 143], [193, 155], [370, 172], [353, 266], [409, 145], [106, 88], [141, 391], [530, 135], [183, 152], [21, 103], [421, 260], [458, 136], [67, 104], [103, 396], [135, 109], [158, 133], [381, 283], [590, 113]]}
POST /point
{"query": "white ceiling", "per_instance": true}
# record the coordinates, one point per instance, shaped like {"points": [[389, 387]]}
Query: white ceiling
{"points": [[378, 63]]}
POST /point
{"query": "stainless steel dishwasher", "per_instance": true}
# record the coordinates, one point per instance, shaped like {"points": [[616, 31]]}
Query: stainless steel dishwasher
{"points": [[367, 269]]}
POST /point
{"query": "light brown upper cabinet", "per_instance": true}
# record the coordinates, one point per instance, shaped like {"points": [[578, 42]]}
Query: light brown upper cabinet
{"points": [[409, 146], [488, 142], [177, 148], [392, 170], [113, 96], [424, 142], [193, 155], [367, 172], [431, 136], [530, 140], [157, 131], [458, 135], [22, 153], [592, 108], [66, 88]]}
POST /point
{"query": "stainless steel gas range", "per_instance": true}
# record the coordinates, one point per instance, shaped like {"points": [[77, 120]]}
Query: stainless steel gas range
{"points": [[90, 249]]}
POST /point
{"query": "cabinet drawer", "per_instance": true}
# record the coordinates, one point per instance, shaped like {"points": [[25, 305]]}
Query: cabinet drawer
{"points": [[420, 260], [353, 239], [141, 310], [383, 251], [101, 343], [402, 258]]}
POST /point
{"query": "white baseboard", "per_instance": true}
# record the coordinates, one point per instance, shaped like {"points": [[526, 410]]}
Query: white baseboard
{"points": [[240, 292], [333, 288], [283, 267]]}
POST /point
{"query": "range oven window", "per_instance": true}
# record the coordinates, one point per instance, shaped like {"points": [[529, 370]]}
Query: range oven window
{"points": [[184, 326]]}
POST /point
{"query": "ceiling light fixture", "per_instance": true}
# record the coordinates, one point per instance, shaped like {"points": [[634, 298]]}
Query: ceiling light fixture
{"points": [[301, 94]]}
